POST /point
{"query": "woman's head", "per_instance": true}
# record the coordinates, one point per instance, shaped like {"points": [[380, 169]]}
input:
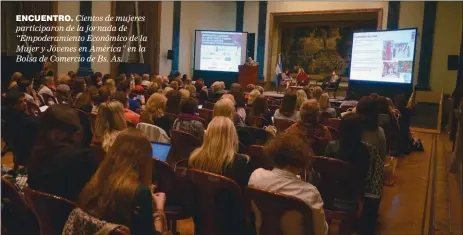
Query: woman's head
{"points": [[259, 106], [225, 108], [174, 85], [317, 92], [137, 80], [253, 95], [110, 118], [184, 93], [228, 96], [218, 86], [260, 89], [350, 130], [85, 99], [111, 85], [288, 104], [79, 85], [16, 77], [301, 97], [46, 65], [104, 94], [110, 193], [59, 127], [155, 106], [367, 108], [383, 106], [290, 151], [324, 101], [309, 111], [189, 105], [166, 90], [191, 89], [308, 92], [219, 146], [153, 88]]}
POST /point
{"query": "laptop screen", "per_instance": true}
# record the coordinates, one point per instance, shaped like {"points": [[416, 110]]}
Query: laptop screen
{"points": [[160, 150]]}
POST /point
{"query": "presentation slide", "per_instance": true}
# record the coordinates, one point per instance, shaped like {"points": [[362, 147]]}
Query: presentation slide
{"points": [[220, 51], [383, 56]]}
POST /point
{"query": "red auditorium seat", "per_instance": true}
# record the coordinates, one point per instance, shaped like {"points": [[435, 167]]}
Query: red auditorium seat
{"points": [[183, 144], [255, 121], [282, 124], [258, 157], [272, 206], [205, 114]]}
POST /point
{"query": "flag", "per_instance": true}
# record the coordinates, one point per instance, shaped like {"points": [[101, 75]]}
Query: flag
{"points": [[278, 70]]}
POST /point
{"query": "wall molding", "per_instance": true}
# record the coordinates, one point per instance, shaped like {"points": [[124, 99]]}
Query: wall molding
{"points": [[427, 41], [262, 23], [239, 16]]}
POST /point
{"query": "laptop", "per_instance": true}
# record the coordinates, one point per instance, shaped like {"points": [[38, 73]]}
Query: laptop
{"points": [[160, 150]]}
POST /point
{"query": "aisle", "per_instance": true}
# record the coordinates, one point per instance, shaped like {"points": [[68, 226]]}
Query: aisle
{"points": [[402, 206]]}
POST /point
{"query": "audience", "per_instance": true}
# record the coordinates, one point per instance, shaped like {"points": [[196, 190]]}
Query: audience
{"points": [[129, 115], [191, 89], [124, 86], [260, 109], [287, 108], [63, 84], [145, 80], [184, 93], [137, 81], [84, 102], [105, 78], [174, 85], [47, 71], [47, 89], [173, 101], [25, 86], [121, 190], [252, 96], [219, 152], [291, 155], [79, 87], [96, 80], [367, 108], [15, 79], [58, 164], [187, 120], [111, 85], [260, 89], [104, 96], [109, 123], [225, 108], [19, 128], [240, 102], [367, 162], [309, 126], [218, 89], [325, 106], [154, 113], [317, 92], [301, 97]]}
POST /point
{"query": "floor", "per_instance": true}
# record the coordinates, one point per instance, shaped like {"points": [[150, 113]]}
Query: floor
{"points": [[406, 207]]}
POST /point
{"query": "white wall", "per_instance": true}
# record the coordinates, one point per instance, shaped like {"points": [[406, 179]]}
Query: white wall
{"points": [[72, 9], [167, 18], [101, 9], [447, 34], [202, 15], [411, 16], [251, 20]]}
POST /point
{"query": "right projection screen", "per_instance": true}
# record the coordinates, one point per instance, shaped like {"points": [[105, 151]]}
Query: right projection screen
{"points": [[383, 56]]}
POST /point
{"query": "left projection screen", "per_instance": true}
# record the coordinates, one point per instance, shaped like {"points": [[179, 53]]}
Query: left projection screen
{"points": [[219, 51]]}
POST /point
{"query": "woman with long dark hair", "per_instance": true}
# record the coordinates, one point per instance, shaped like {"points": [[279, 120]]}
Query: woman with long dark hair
{"points": [[287, 108]]}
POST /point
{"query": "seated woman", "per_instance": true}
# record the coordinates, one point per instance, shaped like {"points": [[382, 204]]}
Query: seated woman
{"points": [[302, 78], [120, 192], [218, 89], [219, 152], [301, 97], [260, 109], [291, 154], [109, 123], [287, 108], [240, 102], [154, 112], [252, 96], [286, 79], [225, 108], [104, 96], [240, 113], [58, 164], [331, 81], [367, 161], [187, 120], [325, 106], [173, 100], [367, 108]]}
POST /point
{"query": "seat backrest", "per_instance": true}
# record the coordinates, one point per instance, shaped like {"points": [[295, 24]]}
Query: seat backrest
{"points": [[273, 211], [250, 135], [338, 180], [154, 133], [259, 158], [255, 121], [52, 211], [208, 105], [183, 144], [333, 122], [216, 198], [17, 216], [171, 116], [163, 176], [335, 134], [206, 114], [48, 99], [282, 124]]}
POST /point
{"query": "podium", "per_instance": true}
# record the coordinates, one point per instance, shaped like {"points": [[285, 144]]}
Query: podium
{"points": [[247, 75]]}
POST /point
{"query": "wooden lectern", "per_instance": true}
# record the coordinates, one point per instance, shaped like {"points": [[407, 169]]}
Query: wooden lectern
{"points": [[247, 75]]}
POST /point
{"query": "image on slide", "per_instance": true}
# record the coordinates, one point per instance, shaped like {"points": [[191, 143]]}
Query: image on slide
{"points": [[387, 50], [405, 66], [390, 70], [401, 51]]}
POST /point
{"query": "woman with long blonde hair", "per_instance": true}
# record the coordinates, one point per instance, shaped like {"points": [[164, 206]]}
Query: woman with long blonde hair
{"points": [[120, 191], [301, 97], [111, 85], [252, 96], [109, 123], [154, 112], [325, 105], [219, 152]]}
